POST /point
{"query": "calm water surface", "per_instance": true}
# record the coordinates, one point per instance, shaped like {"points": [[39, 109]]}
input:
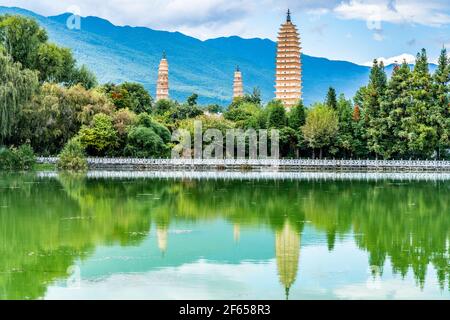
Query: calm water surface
{"points": [[66, 237]]}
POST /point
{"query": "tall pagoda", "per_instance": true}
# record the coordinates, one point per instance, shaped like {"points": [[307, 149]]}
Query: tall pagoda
{"points": [[288, 68], [238, 87], [162, 87]]}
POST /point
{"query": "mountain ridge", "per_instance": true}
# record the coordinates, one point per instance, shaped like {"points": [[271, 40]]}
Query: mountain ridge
{"points": [[132, 53]]}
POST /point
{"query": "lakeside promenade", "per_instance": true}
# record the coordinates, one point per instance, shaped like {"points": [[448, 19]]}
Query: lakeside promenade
{"points": [[284, 165]]}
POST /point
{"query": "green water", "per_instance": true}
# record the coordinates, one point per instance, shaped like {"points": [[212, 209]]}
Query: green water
{"points": [[77, 238]]}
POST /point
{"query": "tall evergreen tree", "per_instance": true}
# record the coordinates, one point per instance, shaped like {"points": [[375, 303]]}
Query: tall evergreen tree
{"points": [[331, 99], [440, 114], [421, 134], [373, 96], [297, 116], [345, 141], [277, 115], [397, 101]]}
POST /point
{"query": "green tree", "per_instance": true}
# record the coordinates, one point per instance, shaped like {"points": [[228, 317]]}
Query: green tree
{"points": [[440, 112], [100, 138], [331, 99], [421, 135], [56, 114], [254, 97], [297, 116], [55, 64], [72, 157], [129, 95], [346, 139], [22, 37], [17, 86], [21, 158], [83, 76], [276, 118], [192, 100], [26, 42], [373, 96], [394, 110], [148, 139], [321, 128], [214, 108], [162, 106], [246, 115]]}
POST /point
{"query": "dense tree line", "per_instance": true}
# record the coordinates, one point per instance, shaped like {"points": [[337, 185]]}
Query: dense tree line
{"points": [[47, 100]]}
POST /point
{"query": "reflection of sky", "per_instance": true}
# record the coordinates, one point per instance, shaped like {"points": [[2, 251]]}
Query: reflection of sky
{"points": [[205, 262]]}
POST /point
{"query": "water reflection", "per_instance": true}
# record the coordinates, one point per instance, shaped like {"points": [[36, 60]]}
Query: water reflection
{"points": [[51, 223]]}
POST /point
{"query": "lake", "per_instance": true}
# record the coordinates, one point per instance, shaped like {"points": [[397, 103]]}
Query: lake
{"points": [[155, 236]]}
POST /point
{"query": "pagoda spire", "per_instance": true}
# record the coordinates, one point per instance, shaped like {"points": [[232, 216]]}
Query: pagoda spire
{"points": [[288, 66], [238, 87], [162, 86]]}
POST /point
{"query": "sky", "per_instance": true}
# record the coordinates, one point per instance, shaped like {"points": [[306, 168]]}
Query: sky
{"points": [[351, 30]]}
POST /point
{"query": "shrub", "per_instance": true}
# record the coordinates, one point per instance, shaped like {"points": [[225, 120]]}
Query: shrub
{"points": [[21, 158], [101, 137], [144, 142], [72, 157]]}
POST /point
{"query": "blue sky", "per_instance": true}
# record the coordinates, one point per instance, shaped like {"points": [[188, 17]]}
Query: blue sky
{"points": [[352, 30]]}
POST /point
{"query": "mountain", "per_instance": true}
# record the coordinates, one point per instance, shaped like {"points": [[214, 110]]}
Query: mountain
{"points": [[118, 54]]}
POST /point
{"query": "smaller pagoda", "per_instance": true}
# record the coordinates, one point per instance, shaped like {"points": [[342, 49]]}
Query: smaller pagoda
{"points": [[238, 87], [162, 87]]}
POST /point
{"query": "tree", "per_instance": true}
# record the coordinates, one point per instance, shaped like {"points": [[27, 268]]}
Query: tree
{"points": [[331, 100], [162, 106], [148, 139], [55, 64], [421, 134], [373, 96], [214, 108], [22, 37], [192, 100], [346, 138], [276, 118], [246, 115], [297, 116], [394, 111], [254, 97], [441, 106], [100, 138], [72, 157], [321, 127], [129, 95], [83, 76], [56, 114], [17, 86], [26, 42]]}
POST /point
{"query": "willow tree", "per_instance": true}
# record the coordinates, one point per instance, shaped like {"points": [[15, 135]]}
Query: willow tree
{"points": [[17, 86]]}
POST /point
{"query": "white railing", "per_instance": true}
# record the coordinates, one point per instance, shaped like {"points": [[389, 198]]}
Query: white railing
{"points": [[288, 163]]}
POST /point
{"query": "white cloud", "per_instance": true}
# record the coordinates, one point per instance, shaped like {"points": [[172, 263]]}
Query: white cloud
{"points": [[249, 18], [430, 13], [196, 17], [409, 58]]}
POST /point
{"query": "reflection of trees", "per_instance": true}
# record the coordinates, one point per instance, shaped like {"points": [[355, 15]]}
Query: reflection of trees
{"points": [[51, 224], [408, 223]]}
